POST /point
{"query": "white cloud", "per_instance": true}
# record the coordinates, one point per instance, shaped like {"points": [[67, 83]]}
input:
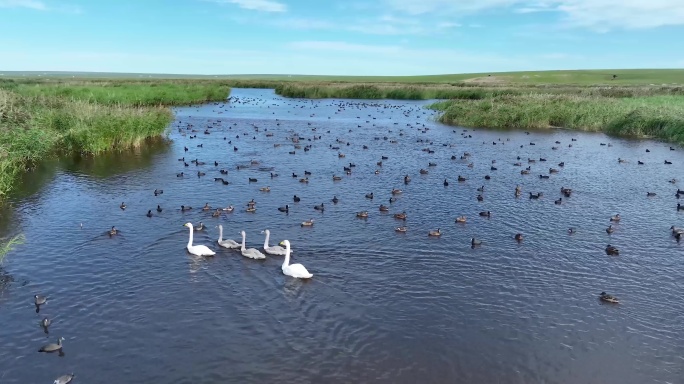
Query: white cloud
{"points": [[594, 14], [31, 4], [255, 5]]}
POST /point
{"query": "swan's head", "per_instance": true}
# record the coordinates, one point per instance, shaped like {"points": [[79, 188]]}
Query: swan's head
{"points": [[285, 243], [189, 225], [243, 233]]}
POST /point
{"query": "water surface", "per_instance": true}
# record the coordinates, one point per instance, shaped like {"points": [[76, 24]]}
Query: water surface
{"points": [[382, 306]]}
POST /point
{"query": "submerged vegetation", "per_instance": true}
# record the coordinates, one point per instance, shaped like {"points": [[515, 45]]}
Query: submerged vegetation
{"points": [[41, 118]]}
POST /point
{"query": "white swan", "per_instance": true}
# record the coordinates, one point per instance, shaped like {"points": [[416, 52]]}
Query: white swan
{"points": [[198, 250], [274, 250], [294, 270], [252, 253], [227, 243]]}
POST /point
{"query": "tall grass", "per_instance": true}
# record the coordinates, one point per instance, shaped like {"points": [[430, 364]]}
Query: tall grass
{"points": [[9, 245], [42, 118], [656, 116]]}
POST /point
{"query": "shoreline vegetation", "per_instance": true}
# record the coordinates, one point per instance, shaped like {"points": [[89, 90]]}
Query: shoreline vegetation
{"points": [[40, 118]]}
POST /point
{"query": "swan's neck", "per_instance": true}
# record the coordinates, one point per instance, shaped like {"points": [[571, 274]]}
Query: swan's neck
{"points": [[243, 242], [286, 263], [268, 235], [220, 233], [190, 239]]}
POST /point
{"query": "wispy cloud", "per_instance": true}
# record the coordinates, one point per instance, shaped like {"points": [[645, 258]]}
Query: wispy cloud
{"points": [[255, 5], [30, 4]]}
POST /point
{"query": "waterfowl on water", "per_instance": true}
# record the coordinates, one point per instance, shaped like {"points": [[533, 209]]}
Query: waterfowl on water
{"points": [[228, 209], [336, 178], [216, 213], [227, 243], [296, 199], [179, 174], [307, 223], [149, 213], [480, 198], [608, 298], [571, 231], [64, 379], [518, 237], [113, 231], [486, 214], [206, 207], [251, 253], [45, 323], [122, 206], [396, 191], [320, 207], [461, 219], [610, 229], [535, 196], [272, 250], [293, 270], [335, 199], [615, 218], [461, 178], [611, 250], [369, 196], [446, 183], [435, 233], [383, 208], [474, 242], [362, 214], [304, 180], [286, 208], [265, 189], [199, 227], [400, 216], [49, 348], [401, 229], [40, 300], [650, 194], [559, 201], [676, 230]]}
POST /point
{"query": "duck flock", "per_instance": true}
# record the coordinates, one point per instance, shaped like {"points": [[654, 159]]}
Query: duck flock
{"points": [[315, 136]]}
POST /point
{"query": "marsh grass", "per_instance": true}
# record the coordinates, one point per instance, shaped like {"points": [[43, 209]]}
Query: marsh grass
{"points": [[44, 118], [8, 246], [655, 116]]}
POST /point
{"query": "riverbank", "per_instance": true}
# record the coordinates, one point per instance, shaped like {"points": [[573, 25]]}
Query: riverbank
{"points": [[659, 116], [43, 118]]}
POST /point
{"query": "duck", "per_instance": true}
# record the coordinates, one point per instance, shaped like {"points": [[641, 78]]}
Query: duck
{"points": [[265, 189], [610, 229], [320, 207], [362, 214], [461, 219], [559, 201], [149, 213], [64, 379], [383, 208], [400, 229], [251, 253], [307, 223], [294, 270], [159, 208], [461, 178], [197, 250], [45, 323], [296, 199], [122, 206], [285, 209], [113, 231], [229, 209], [227, 243], [400, 216], [435, 233], [571, 231], [206, 207], [474, 242], [272, 250], [676, 230], [216, 213], [199, 227], [680, 207], [336, 178], [304, 180], [611, 250], [335, 199], [608, 298], [250, 209], [480, 198], [518, 237], [486, 214], [369, 196], [49, 348], [615, 218], [396, 191], [535, 196], [40, 300]]}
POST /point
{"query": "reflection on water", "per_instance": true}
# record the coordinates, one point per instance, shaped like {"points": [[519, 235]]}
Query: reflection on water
{"points": [[382, 306]]}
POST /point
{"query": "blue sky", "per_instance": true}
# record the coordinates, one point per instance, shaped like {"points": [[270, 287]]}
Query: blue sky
{"points": [[338, 37]]}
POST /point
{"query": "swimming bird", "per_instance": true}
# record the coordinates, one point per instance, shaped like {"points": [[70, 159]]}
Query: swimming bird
{"points": [[486, 214], [608, 298], [335, 199], [49, 348], [184, 208], [206, 207], [45, 323], [611, 250], [159, 208], [369, 196], [680, 207], [216, 213], [461, 219], [435, 233], [158, 192], [615, 218], [228, 209], [227, 243], [362, 214], [64, 379], [296, 199], [401, 229], [197, 250], [446, 183], [273, 250], [474, 242], [149, 213], [518, 237], [252, 253], [40, 300], [308, 223], [122, 206], [320, 207], [610, 229], [571, 231], [113, 231], [285, 209], [293, 270]]}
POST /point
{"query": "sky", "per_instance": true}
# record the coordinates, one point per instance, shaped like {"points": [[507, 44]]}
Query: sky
{"points": [[339, 37]]}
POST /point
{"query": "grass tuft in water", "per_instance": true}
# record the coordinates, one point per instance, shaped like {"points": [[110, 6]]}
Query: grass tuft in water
{"points": [[9, 245]]}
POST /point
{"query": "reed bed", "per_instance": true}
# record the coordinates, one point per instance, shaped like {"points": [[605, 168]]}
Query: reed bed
{"points": [[44, 118]]}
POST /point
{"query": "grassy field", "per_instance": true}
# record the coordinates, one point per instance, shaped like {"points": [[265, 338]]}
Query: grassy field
{"points": [[44, 118], [578, 77]]}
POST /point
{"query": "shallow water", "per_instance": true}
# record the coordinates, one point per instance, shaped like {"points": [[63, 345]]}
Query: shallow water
{"points": [[382, 306]]}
